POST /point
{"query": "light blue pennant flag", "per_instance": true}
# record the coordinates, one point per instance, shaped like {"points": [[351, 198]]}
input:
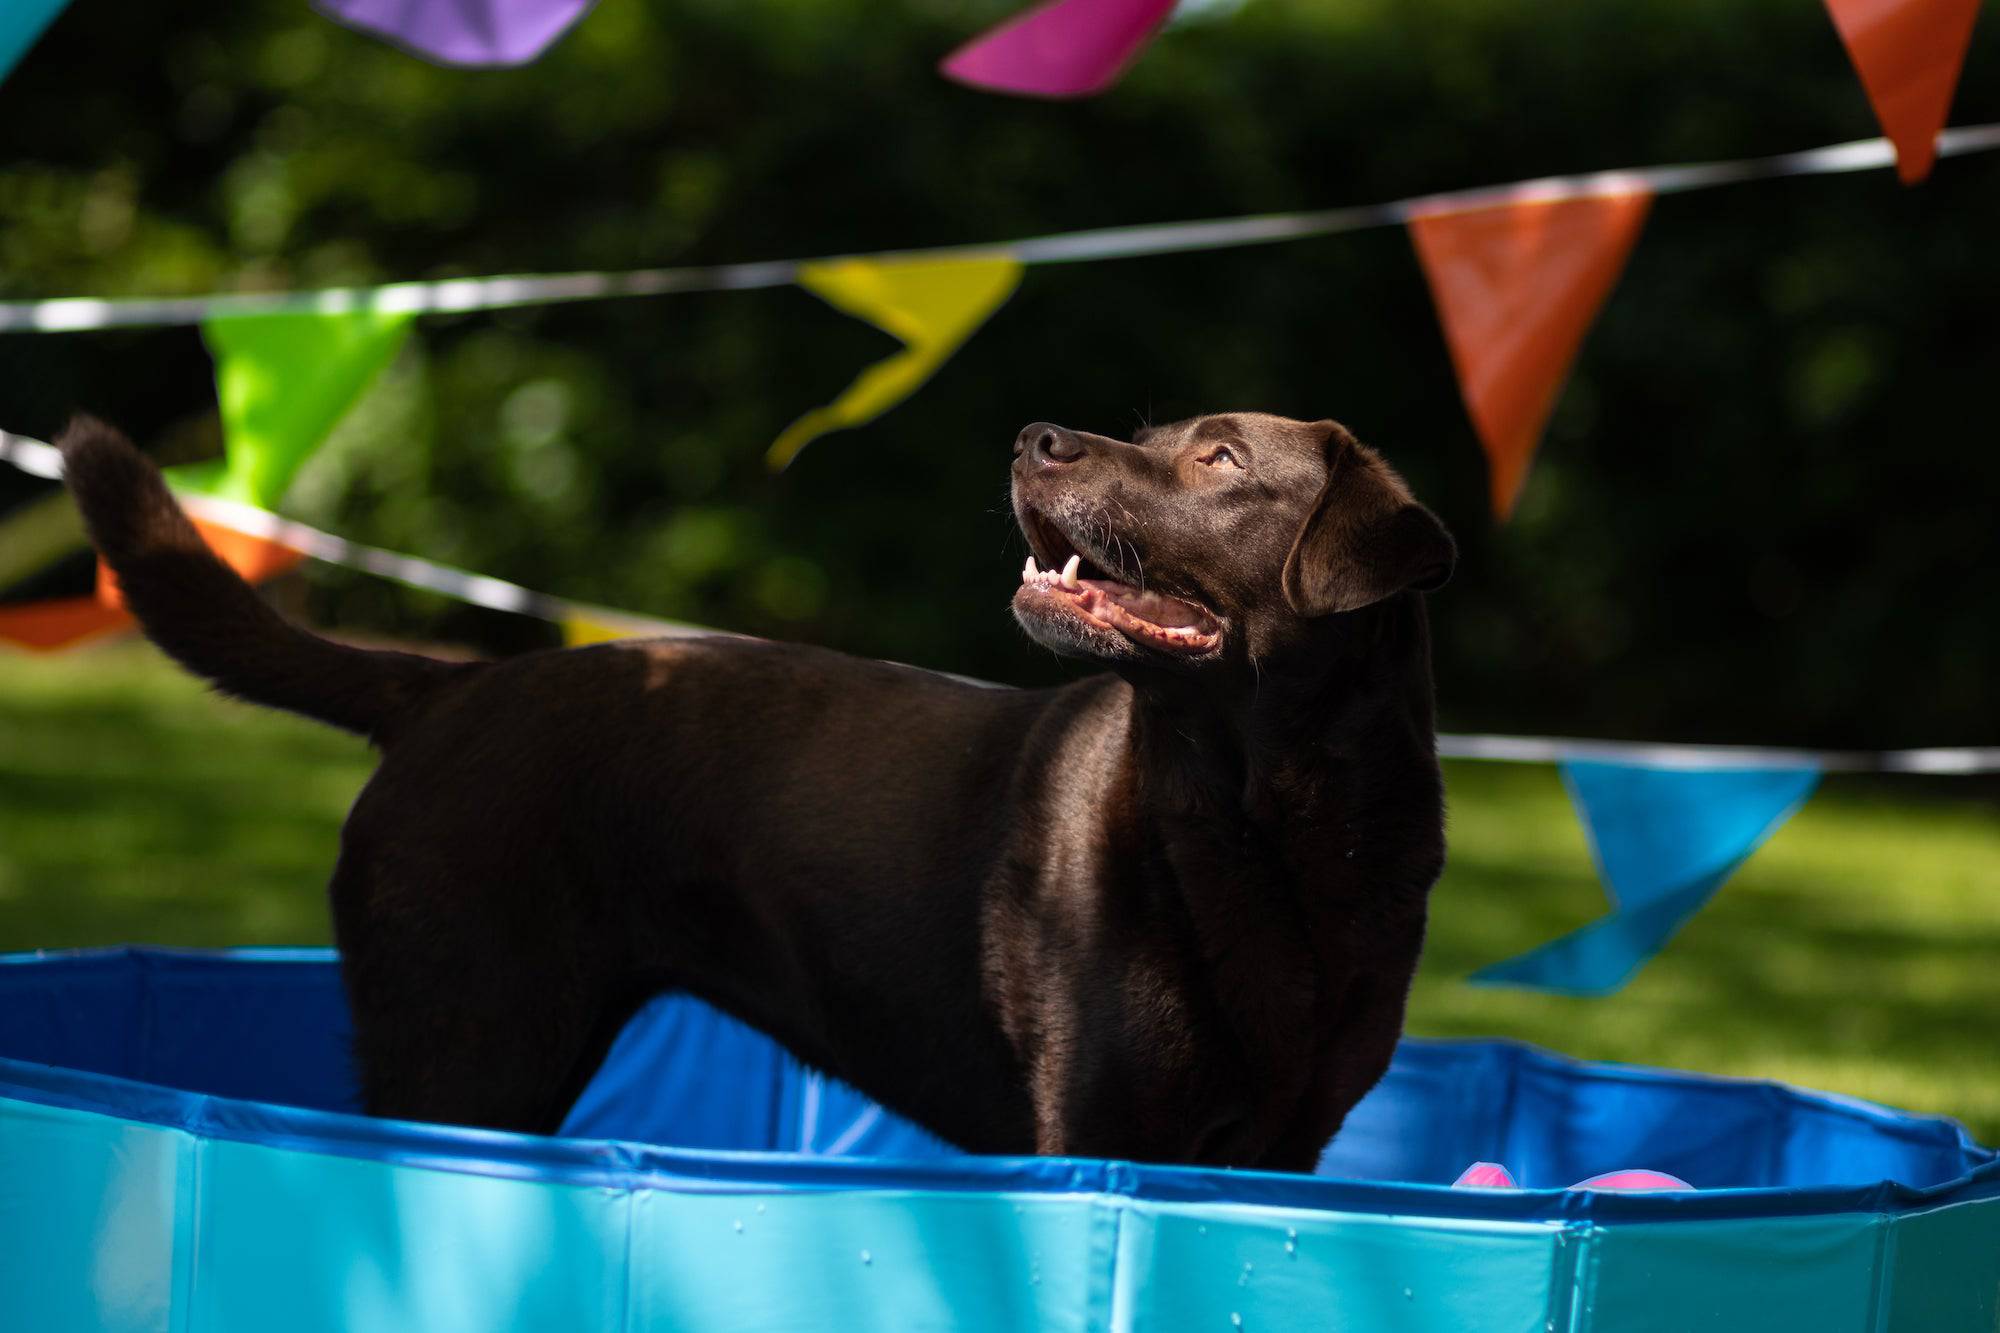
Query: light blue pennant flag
{"points": [[1664, 840], [21, 22]]}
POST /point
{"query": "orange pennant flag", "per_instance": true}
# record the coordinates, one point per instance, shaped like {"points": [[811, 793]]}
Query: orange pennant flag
{"points": [[60, 622], [1516, 286], [255, 558], [57, 623], [1908, 54]]}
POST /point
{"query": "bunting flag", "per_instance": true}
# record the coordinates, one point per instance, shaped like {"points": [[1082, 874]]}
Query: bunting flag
{"points": [[1065, 48], [1908, 54], [580, 628], [254, 557], [1517, 285], [1665, 839], [65, 621], [933, 305], [284, 381], [462, 32], [578, 631], [22, 22], [60, 622]]}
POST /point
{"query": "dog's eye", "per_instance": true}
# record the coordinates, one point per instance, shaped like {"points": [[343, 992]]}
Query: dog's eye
{"points": [[1222, 456]]}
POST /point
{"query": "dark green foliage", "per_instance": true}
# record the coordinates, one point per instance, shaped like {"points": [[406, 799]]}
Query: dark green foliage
{"points": [[1764, 510]]}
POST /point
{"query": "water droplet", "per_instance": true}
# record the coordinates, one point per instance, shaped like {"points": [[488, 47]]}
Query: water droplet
{"points": [[1292, 1248], [1235, 1320], [1291, 1233], [1247, 1265], [1201, 1231], [760, 1207], [867, 1258], [1409, 1295], [738, 1224]]}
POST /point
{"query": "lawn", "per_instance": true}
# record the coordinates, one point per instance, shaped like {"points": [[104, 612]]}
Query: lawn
{"points": [[1858, 951]]}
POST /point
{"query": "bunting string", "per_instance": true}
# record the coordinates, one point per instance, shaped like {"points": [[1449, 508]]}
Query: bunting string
{"points": [[41, 459], [459, 295], [1937, 760], [1667, 824]]}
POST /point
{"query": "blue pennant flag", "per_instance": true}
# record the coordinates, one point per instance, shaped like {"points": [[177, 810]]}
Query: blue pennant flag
{"points": [[1664, 839], [21, 22]]}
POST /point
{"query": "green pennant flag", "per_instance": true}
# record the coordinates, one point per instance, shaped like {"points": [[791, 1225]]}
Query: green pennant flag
{"points": [[284, 381]]}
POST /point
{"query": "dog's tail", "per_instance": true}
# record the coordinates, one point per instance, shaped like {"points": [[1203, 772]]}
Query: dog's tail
{"points": [[208, 619]]}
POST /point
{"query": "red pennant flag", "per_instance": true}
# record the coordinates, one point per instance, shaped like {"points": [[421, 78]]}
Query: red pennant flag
{"points": [[1516, 286], [1908, 53], [60, 622]]}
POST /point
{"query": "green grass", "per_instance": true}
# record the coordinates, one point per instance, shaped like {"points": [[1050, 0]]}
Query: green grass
{"points": [[1858, 951], [137, 807]]}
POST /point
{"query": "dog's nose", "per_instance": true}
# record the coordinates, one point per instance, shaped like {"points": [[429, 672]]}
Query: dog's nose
{"points": [[1046, 443]]}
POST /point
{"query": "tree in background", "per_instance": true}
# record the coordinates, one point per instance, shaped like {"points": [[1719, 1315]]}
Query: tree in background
{"points": [[1763, 511]]}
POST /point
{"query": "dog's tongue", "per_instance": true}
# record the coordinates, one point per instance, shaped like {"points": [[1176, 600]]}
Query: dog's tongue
{"points": [[1152, 607]]}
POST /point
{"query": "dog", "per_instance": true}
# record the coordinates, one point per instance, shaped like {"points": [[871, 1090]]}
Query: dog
{"points": [[1167, 913]]}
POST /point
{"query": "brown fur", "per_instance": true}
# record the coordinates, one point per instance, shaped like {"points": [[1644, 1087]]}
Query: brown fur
{"points": [[1169, 912]]}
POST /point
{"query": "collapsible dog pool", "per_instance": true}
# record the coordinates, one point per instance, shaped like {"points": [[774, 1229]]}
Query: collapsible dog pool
{"points": [[178, 1152]]}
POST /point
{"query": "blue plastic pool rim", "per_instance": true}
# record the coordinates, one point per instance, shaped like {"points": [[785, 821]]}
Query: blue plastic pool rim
{"points": [[616, 1164]]}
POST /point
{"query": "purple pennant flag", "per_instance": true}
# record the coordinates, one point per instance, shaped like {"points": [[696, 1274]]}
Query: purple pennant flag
{"points": [[1067, 48], [462, 32]]}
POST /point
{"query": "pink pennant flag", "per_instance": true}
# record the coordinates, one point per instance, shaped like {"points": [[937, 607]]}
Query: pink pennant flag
{"points": [[1066, 48]]}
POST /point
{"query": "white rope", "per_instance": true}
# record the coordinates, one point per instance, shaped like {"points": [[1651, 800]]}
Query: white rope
{"points": [[44, 460], [1555, 750], [71, 313]]}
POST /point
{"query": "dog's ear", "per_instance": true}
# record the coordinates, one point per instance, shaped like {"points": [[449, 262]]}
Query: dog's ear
{"points": [[1366, 538]]}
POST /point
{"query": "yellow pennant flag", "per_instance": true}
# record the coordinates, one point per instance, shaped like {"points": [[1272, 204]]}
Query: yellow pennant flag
{"points": [[933, 305], [580, 630], [585, 624]]}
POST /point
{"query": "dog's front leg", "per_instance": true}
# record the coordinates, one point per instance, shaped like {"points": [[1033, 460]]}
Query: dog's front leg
{"points": [[1055, 1135], [1072, 1085], [1097, 1091]]}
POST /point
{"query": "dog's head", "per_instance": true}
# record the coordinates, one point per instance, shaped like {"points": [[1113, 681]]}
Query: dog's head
{"points": [[1224, 538]]}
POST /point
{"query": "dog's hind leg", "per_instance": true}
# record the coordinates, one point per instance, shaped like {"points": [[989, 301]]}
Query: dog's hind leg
{"points": [[459, 1019]]}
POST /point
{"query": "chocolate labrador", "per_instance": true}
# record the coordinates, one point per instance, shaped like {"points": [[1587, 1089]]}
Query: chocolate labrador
{"points": [[1167, 913]]}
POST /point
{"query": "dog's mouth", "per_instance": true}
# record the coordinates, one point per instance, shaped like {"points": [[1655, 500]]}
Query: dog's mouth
{"points": [[1066, 577]]}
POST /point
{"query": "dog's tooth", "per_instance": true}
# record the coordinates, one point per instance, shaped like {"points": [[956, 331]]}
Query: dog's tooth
{"points": [[1069, 571], [1029, 570]]}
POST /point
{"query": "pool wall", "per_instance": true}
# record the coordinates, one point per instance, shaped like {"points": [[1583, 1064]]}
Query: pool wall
{"points": [[150, 1179]]}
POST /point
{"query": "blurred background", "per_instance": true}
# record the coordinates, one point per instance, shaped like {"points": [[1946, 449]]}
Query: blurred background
{"points": [[1763, 512]]}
